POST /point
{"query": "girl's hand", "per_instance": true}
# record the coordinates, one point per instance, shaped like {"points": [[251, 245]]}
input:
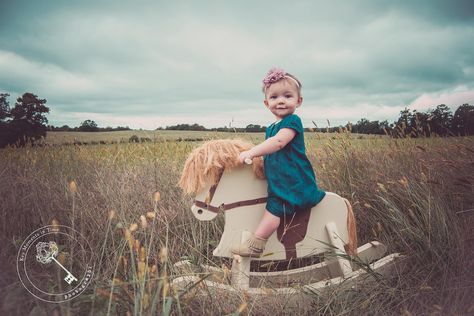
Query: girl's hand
{"points": [[245, 155]]}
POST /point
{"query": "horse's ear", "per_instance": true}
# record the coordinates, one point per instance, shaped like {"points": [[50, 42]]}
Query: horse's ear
{"points": [[202, 214]]}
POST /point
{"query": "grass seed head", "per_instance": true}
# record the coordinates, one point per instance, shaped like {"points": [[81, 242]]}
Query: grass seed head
{"points": [[403, 181], [166, 287], [150, 215], [154, 270], [143, 222], [382, 187], [142, 255], [163, 254], [141, 269], [136, 245], [241, 308], [112, 214], [133, 227], [117, 281], [156, 196], [55, 223], [72, 187], [128, 237]]}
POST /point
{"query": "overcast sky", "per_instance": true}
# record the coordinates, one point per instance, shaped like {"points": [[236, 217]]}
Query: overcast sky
{"points": [[154, 63]]}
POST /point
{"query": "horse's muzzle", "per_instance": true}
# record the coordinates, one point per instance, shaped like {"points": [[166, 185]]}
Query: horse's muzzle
{"points": [[202, 214]]}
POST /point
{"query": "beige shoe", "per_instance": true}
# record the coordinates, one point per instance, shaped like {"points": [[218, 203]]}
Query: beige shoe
{"points": [[252, 247]]}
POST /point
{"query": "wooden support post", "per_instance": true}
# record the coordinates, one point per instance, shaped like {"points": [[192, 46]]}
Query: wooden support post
{"points": [[335, 240], [241, 267]]}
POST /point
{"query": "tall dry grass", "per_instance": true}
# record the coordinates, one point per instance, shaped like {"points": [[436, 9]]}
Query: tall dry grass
{"points": [[416, 196]]}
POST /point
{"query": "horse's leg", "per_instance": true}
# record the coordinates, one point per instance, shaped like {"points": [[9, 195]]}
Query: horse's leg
{"points": [[241, 267], [341, 257]]}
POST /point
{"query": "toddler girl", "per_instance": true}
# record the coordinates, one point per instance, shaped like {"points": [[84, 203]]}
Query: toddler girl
{"points": [[291, 181]]}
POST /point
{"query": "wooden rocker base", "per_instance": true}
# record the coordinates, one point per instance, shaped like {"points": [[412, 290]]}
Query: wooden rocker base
{"points": [[368, 266]]}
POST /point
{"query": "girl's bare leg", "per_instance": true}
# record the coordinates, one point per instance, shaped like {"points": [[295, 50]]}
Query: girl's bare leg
{"points": [[268, 224]]}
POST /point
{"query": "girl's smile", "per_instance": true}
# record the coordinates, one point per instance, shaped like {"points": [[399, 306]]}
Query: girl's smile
{"points": [[282, 98]]}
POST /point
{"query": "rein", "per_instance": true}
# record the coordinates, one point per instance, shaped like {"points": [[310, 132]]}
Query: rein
{"points": [[224, 207]]}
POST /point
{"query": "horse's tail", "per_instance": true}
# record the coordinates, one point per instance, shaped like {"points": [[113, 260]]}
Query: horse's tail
{"points": [[351, 229]]}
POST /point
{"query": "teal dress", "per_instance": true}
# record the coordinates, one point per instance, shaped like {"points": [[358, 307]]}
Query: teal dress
{"points": [[291, 181]]}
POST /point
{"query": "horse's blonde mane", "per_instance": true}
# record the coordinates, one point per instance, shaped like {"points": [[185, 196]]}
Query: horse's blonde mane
{"points": [[206, 161]]}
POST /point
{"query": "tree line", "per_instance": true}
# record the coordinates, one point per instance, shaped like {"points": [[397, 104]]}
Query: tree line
{"points": [[87, 126], [251, 128], [26, 122], [440, 121]]}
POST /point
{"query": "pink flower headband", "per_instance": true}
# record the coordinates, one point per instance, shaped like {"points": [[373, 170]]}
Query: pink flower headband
{"points": [[276, 74]]}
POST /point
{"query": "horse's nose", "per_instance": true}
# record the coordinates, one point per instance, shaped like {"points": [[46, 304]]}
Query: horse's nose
{"points": [[196, 210], [202, 214]]}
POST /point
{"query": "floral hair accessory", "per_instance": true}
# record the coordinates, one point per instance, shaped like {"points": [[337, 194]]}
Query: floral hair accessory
{"points": [[275, 74]]}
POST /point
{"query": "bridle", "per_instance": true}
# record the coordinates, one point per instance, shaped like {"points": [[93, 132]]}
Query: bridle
{"points": [[224, 207]]}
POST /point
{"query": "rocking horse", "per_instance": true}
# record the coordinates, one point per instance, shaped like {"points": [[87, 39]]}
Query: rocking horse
{"points": [[222, 184]]}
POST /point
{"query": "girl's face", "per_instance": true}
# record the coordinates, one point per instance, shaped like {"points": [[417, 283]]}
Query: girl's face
{"points": [[282, 98]]}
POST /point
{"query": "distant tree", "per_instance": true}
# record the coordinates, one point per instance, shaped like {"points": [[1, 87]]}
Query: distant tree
{"points": [[27, 120], [374, 128], [463, 120], [403, 124], [419, 124], [197, 127], [29, 108], [364, 126], [4, 107], [88, 126], [64, 128], [440, 120], [186, 127], [4, 114], [360, 126], [385, 127], [252, 128]]}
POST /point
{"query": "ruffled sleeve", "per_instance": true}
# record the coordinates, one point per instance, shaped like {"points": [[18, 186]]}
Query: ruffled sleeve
{"points": [[292, 121]]}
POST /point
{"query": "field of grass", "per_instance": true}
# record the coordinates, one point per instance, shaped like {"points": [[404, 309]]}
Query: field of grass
{"points": [[58, 138], [414, 195]]}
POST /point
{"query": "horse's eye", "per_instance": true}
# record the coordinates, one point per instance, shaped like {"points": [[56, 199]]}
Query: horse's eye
{"points": [[200, 211]]}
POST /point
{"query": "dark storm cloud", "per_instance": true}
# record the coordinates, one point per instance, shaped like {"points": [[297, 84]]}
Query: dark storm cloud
{"points": [[205, 60]]}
